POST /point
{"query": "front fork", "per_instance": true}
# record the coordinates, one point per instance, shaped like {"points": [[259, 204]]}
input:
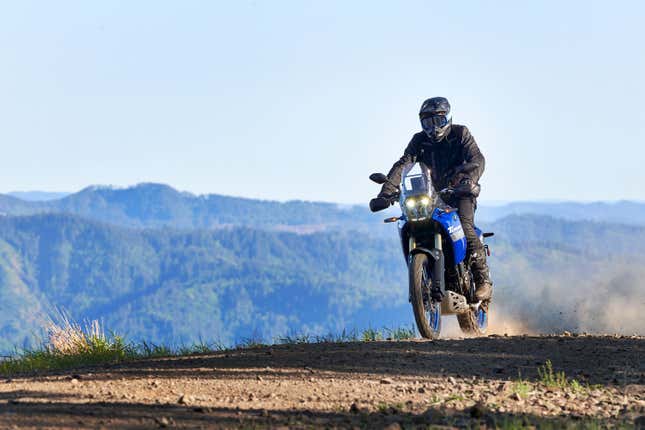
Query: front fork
{"points": [[438, 279]]}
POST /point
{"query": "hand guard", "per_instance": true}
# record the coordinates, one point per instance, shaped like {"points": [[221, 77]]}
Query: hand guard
{"points": [[379, 203]]}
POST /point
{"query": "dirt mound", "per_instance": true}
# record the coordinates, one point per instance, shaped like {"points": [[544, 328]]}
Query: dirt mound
{"points": [[491, 381]]}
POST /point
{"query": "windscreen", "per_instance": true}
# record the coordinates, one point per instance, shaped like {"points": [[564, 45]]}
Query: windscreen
{"points": [[416, 179]]}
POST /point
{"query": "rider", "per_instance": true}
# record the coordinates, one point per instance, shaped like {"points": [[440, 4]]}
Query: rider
{"points": [[444, 146]]}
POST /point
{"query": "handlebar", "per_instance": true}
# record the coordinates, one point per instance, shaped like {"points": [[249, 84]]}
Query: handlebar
{"points": [[447, 191], [464, 190]]}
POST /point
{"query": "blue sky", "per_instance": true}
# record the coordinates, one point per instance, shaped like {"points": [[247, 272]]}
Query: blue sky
{"points": [[303, 99]]}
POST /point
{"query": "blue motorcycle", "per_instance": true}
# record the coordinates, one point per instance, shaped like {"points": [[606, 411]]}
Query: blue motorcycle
{"points": [[434, 245]]}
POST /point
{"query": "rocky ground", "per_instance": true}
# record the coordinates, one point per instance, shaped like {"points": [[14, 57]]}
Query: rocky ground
{"points": [[481, 383]]}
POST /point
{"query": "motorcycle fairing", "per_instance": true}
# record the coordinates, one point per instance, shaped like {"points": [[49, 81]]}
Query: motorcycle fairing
{"points": [[449, 221]]}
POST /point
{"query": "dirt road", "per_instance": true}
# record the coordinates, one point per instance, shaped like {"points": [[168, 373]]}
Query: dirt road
{"points": [[393, 384]]}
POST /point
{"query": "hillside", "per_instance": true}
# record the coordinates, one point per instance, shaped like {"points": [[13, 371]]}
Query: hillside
{"points": [[225, 285], [172, 286]]}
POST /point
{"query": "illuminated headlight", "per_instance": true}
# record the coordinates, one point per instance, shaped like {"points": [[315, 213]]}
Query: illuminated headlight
{"points": [[410, 203], [425, 201]]}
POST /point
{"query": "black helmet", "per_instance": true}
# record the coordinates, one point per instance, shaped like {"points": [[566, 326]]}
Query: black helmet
{"points": [[435, 118]]}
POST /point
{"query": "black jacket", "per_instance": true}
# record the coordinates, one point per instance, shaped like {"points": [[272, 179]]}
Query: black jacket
{"points": [[442, 158]]}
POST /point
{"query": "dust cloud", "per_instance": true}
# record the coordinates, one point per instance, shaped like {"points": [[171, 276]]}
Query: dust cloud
{"points": [[597, 302]]}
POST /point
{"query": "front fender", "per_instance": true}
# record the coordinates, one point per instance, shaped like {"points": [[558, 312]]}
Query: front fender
{"points": [[438, 281], [432, 253]]}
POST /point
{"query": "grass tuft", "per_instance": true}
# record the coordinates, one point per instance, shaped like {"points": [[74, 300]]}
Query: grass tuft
{"points": [[295, 339], [401, 333], [68, 344], [550, 378], [521, 387], [370, 335], [344, 336], [152, 350]]}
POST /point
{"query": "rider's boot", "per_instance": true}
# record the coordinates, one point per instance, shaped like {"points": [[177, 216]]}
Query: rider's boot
{"points": [[483, 284]]}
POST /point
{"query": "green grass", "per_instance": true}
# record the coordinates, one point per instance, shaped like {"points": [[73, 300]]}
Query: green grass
{"points": [[390, 408], [97, 350], [371, 335], [72, 346], [251, 342], [551, 379], [367, 335], [100, 351], [521, 387], [401, 333], [295, 339], [153, 350], [454, 397]]}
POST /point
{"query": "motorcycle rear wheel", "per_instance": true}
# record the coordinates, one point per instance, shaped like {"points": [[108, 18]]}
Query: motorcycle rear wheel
{"points": [[427, 313], [474, 322]]}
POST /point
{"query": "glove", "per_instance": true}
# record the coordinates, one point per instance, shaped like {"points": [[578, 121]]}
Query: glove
{"points": [[457, 178], [457, 173], [467, 188], [388, 191], [379, 203]]}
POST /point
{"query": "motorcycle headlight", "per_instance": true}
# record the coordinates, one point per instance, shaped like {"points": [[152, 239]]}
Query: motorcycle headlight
{"points": [[410, 203], [425, 201]]}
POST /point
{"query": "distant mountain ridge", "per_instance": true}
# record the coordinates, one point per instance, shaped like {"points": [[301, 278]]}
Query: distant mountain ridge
{"points": [[622, 212], [152, 205], [38, 196]]}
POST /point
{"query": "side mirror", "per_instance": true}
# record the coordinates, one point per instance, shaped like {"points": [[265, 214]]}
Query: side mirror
{"points": [[379, 178]]}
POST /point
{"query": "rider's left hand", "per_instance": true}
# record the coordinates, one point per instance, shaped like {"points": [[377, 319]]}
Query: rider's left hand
{"points": [[466, 188]]}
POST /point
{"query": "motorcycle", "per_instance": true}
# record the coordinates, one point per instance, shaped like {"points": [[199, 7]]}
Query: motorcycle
{"points": [[434, 245]]}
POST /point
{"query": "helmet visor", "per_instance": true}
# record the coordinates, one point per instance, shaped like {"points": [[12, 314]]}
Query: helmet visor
{"points": [[434, 121]]}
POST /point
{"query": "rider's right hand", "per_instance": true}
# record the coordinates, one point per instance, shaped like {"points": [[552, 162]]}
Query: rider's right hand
{"points": [[379, 203]]}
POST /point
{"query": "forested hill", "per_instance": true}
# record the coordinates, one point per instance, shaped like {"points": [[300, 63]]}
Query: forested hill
{"points": [[173, 286]]}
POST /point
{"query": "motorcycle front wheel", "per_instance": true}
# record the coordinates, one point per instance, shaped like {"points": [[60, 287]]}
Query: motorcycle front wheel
{"points": [[427, 312]]}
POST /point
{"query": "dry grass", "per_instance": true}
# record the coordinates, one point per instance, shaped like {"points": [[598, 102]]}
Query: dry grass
{"points": [[67, 337], [68, 344]]}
